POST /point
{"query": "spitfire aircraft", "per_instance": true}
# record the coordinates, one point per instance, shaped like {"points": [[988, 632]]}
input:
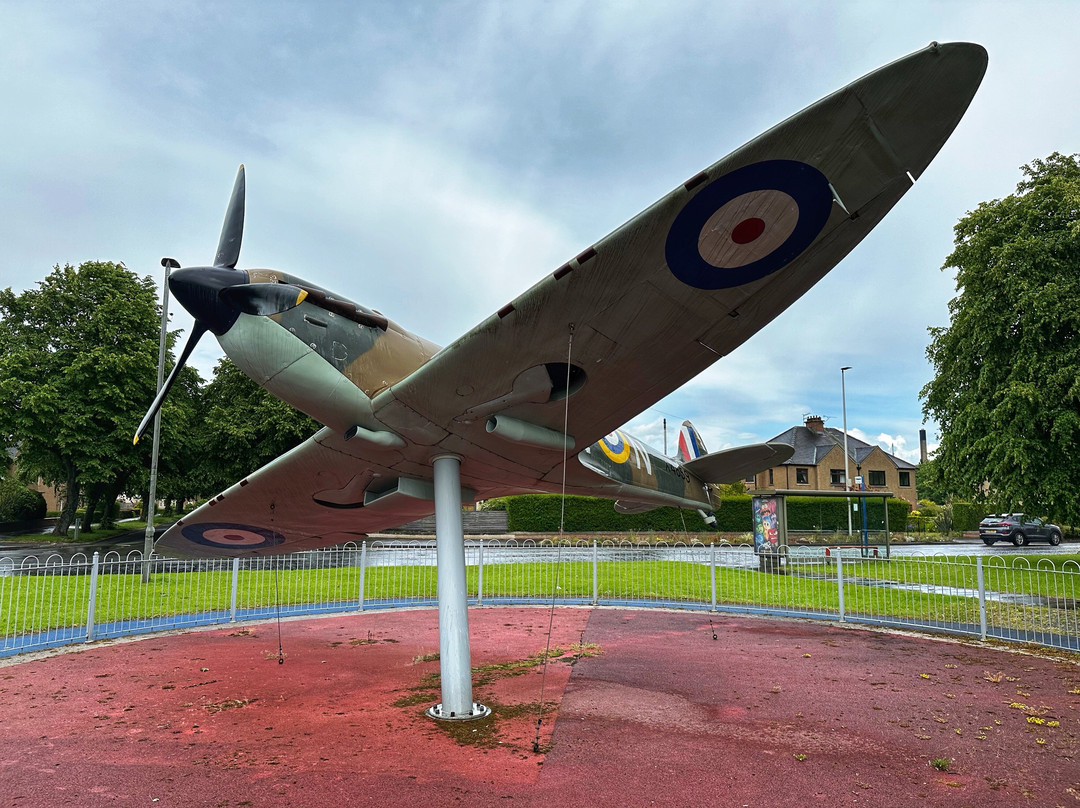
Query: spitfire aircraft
{"points": [[530, 400]]}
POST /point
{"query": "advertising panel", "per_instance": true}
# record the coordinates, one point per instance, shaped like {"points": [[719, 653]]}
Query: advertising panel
{"points": [[766, 524]]}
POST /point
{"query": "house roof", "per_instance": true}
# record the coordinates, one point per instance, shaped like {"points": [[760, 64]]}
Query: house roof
{"points": [[811, 447]]}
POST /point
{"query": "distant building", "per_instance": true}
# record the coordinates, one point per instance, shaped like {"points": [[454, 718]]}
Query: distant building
{"points": [[818, 463]]}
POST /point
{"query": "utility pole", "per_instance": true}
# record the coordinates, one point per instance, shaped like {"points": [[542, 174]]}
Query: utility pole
{"points": [[148, 540]]}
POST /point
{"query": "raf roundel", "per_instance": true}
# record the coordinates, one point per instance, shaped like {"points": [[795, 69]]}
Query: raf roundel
{"points": [[748, 224], [231, 536], [616, 447]]}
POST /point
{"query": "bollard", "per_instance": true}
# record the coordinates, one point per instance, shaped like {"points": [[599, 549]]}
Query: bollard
{"points": [[712, 573], [91, 605], [235, 587], [363, 566], [840, 582]]}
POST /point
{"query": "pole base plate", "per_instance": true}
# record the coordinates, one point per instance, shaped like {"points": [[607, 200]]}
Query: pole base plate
{"points": [[478, 711]]}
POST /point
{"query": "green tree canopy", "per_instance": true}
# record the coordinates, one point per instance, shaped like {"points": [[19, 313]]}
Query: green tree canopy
{"points": [[244, 427], [931, 486], [1006, 389], [77, 369]]}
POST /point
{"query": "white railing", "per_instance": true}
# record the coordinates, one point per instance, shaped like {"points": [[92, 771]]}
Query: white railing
{"points": [[55, 601]]}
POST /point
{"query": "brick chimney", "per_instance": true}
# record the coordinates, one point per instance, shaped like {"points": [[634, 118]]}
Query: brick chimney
{"points": [[922, 445], [815, 423]]}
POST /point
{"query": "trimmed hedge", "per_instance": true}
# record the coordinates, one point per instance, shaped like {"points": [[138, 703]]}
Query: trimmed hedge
{"points": [[539, 513], [966, 516], [829, 514]]}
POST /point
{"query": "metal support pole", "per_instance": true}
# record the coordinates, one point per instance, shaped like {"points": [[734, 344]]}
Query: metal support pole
{"points": [[454, 661], [91, 604], [847, 480], [840, 582], [885, 505], [235, 589], [979, 576], [595, 581], [363, 568], [712, 573]]}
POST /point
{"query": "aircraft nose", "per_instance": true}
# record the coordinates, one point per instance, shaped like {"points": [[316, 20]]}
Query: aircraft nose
{"points": [[198, 290]]}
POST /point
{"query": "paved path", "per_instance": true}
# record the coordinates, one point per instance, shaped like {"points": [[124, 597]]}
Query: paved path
{"points": [[769, 713]]}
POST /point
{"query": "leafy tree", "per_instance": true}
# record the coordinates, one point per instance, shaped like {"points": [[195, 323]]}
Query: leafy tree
{"points": [[931, 485], [1006, 389], [77, 370], [244, 427]]}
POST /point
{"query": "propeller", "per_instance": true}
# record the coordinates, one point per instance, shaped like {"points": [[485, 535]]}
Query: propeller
{"points": [[199, 288], [196, 332], [217, 295], [232, 229]]}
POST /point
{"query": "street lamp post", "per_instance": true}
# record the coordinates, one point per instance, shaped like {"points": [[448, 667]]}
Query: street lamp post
{"points": [[148, 539], [847, 482]]}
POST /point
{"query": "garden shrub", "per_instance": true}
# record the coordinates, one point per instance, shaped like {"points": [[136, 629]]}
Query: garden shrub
{"points": [[19, 503]]}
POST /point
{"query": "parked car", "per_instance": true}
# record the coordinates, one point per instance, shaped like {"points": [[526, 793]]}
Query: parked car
{"points": [[1017, 528]]}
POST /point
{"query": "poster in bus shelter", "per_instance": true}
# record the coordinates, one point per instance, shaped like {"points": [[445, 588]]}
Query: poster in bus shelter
{"points": [[766, 524]]}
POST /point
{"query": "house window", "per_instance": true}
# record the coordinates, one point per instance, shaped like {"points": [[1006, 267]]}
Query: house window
{"points": [[836, 476], [877, 478], [802, 476], [770, 478], [905, 479]]}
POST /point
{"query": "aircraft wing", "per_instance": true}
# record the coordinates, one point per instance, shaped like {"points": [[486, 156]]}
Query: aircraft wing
{"points": [[688, 280], [322, 492]]}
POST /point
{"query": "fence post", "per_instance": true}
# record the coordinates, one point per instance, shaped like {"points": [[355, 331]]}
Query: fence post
{"points": [[982, 596], [712, 572], [363, 566], [595, 564], [840, 582], [480, 574], [235, 587], [91, 605]]}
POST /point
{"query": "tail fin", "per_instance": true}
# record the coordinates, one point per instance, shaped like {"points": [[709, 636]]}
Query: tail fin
{"points": [[690, 444]]}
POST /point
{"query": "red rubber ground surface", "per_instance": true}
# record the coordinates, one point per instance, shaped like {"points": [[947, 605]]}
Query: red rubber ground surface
{"points": [[770, 713]]}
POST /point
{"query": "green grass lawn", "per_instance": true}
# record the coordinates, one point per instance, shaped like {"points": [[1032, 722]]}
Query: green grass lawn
{"points": [[33, 603]]}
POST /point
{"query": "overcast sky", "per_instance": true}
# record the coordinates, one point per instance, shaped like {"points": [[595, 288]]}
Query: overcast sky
{"points": [[433, 160]]}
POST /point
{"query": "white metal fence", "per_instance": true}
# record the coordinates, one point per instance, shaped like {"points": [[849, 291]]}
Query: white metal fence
{"points": [[54, 602]]}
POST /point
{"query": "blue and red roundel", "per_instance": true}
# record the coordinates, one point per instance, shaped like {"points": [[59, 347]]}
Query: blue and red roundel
{"points": [[231, 536], [748, 224], [616, 447]]}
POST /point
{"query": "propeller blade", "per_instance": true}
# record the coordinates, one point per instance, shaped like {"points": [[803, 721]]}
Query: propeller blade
{"points": [[263, 298], [232, 229], [196, 333]]}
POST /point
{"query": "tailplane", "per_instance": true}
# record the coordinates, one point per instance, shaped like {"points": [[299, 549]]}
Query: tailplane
{"points": [[732, 465]]}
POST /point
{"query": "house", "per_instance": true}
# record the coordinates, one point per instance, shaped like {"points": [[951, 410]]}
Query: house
{"points": [[818, 463]]}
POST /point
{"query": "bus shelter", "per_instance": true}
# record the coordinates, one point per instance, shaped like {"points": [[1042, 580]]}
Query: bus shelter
{"points": [[771, 521]]}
